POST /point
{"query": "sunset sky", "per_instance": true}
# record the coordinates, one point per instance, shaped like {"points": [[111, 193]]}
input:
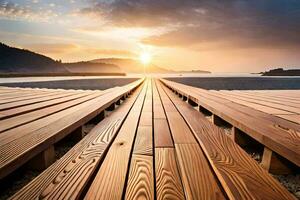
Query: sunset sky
{"points": [[215, 35]]}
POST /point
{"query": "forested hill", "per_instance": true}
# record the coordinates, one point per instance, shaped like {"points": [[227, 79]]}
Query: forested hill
{"points": [[14, 60]]}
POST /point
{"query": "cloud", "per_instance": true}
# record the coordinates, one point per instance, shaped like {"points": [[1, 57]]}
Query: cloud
{"points": [[9, 10], [52, 48], [201, 23]]}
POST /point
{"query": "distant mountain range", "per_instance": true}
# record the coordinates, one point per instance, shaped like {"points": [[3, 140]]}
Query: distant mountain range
{"points": [[131, 65], [196, 72], [22, 62], [15, 62]]}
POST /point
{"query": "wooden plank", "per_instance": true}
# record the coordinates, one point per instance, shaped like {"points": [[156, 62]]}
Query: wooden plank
{"points": [[27, 97], [283, 138], [274, 164], [146, 118], [33, 100], [68, 177], [140, 183], [143, 141], [25, 93], [240, 176], [262, 105], [158, 111], [168, 181], [243, 95], [19, 120], [110, 179], [273, 97], [180, 131], [197, 178], [162, 134], [32, 107], [293, 118], [21, 146]]}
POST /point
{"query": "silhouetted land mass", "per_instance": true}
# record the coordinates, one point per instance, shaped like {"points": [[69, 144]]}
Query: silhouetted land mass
{"points": [[14, 60], [281, 72], [197, 72], [21, 62]]}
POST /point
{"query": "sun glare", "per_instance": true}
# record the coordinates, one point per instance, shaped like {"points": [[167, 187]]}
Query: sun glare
{"points": [[145, 58]]}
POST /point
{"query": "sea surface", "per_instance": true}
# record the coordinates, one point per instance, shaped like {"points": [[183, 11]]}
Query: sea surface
{"points": [[213, 81], [241, 83]]}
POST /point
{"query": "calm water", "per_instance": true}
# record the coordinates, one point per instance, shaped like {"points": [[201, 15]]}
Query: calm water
{"points": [[241, 83], [215, 81]]}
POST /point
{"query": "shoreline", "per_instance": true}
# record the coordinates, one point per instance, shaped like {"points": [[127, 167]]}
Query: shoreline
{"points": [[17, 75]]}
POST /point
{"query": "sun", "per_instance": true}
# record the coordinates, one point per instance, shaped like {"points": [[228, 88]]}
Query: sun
{"points": [[145, 58]]}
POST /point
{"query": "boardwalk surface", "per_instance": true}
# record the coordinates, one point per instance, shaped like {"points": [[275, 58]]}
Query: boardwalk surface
{"points": [[281, 103], [153, 145]]}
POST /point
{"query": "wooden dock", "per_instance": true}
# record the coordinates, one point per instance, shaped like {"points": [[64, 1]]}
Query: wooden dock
{"points": [[156, 143]]}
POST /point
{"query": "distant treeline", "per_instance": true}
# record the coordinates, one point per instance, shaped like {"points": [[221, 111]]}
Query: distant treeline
{"points": [[281, 72], [21, 62]]}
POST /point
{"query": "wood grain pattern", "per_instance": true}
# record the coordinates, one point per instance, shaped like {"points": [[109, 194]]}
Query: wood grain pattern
{"points": [[256, 98], [68, 177], [168, 181], [197, 178], [140, 183], [35, 99], [293, 118], [158, 110], [21, 146], [110, 179], [283, 139], [146, 118], [162, 134], [240, 176], [39, 105], [180, 131], [31, 116], [26, 96], [143, 141]]}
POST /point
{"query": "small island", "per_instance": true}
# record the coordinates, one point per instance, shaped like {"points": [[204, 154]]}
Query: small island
{"points": [[196, 72], [281, 72]]}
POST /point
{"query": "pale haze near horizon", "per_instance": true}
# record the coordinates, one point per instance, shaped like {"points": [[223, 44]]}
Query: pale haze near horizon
{"points": [[219, 36]]}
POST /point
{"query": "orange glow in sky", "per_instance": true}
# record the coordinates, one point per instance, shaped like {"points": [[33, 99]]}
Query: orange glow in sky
{"points": [[219, 36]]}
